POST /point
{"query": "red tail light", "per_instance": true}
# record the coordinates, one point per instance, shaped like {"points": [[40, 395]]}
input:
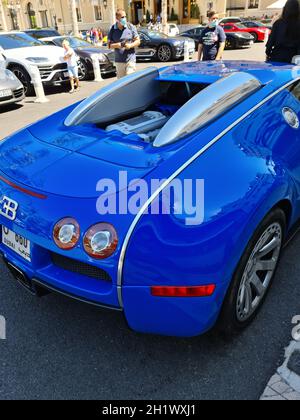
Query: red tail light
{"points": [[185, 291]]}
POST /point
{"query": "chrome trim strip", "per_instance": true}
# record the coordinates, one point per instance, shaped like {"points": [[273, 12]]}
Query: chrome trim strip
{"points": [[211, 102], [175, 174]]}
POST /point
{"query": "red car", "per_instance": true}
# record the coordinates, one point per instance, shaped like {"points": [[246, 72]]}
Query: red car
{"points": [[259, 33]]}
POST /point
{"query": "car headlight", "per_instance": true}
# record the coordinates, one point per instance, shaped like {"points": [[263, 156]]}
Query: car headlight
{"points": [[38, 59], [10, 75], [100, 241], [102, 57], [66, 233], [177, 43]]}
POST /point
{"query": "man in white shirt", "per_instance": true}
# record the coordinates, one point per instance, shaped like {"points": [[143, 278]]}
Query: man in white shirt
{"points": [[71, 59]]}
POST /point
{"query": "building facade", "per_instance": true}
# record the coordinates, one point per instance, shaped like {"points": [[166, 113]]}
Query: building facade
{"points": [[250, 8], [26, 14]]}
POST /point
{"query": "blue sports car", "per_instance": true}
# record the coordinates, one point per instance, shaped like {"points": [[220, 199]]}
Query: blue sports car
{"points": [[167, 195]]}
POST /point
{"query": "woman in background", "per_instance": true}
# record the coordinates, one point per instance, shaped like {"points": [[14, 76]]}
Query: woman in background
{"points": [[284, 41]]}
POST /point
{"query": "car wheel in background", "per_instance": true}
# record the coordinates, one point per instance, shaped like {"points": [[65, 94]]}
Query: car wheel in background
{"points": [[164, 53], [255, 36], [254, 275], [231, 44], [83, 70], [24, 78]]}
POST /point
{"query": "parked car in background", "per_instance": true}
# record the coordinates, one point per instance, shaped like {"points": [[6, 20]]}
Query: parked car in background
{"points": [[11, 89], [85, 51], [268, 23], [259, 34], [232, 19], [173, 29], [256, 24], [233, 40], [42, 33], [20, 48], [156, 45]]}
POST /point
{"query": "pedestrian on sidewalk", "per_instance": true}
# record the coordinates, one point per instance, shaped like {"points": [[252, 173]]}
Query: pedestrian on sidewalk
{"points": [[124, 38], [284, 41], [71, 59], [212, 40]]}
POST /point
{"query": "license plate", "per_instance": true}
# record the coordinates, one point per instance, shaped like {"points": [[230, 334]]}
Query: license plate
{"points": [[5, 93], [17, 243]]}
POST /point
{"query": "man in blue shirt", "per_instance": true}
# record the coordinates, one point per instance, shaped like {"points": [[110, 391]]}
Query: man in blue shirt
{"points": [[212, 40], [124, 38]]}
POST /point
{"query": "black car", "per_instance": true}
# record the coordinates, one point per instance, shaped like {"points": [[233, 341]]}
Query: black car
{"points": [[161, 47], [233, 40], [42, 33], [85, 51]]}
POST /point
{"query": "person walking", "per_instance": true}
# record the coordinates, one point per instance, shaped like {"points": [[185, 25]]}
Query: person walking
{"points": [[284, 41], [71, 59], [124, 38], [212, 40]]}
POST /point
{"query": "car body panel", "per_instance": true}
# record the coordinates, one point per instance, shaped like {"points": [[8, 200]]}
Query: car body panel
{"points": [[248, 158], [11, 84]]}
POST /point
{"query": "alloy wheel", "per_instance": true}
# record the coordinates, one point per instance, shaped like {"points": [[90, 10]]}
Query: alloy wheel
{"points": [[164, 53], [259, 272]]}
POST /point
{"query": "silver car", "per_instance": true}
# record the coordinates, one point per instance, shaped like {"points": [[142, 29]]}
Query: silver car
{"points": [[11, 89]]}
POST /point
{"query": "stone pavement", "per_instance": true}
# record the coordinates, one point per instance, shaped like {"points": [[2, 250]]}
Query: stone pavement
{"points": [[285, 384]]}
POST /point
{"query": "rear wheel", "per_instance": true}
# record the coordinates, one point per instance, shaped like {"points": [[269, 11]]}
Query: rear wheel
{"points": [[164, 53], [254, 275], [231, 44], [24, 78], [254, 36]]}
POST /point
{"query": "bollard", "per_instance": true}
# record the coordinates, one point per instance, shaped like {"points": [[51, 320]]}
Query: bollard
{"points": [[96, 68], [38, 85], [186, 51]]}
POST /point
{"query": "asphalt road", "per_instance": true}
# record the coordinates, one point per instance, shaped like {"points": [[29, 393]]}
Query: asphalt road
{"points": [[57, 348]]}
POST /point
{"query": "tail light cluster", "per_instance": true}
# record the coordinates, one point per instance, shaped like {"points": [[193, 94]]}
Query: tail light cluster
{"points": [[100, 241]]}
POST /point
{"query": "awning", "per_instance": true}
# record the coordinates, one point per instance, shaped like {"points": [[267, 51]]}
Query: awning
{"points": [[279, 4]]}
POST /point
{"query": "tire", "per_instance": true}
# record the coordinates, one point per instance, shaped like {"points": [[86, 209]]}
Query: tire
{"points": [[231, 44], [84, 70], [234, 317], [164, 53], [255, 36], [24, 78]]}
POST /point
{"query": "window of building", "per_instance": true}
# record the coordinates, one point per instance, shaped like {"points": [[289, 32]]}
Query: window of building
{"points": [[79, 15], [98, 12], [253, 4]]}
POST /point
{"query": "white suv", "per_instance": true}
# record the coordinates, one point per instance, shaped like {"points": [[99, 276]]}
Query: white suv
{"points": [[19, 49]]}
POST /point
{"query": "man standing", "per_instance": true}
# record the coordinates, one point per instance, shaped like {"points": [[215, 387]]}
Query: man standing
{"points": [[212, 40], [123, 38]]}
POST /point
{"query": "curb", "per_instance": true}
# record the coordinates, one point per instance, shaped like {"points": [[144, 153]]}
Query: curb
{"points": [[285, 384]]}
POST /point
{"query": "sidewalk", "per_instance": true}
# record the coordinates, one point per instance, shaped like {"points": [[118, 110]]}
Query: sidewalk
{"points": [[285, 384]]}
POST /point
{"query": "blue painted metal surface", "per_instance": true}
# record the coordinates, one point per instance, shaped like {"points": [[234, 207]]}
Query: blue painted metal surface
{"points": [[253, 166]]}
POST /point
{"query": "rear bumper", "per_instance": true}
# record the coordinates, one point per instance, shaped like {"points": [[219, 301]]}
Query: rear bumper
{"points": [[144, 313]]}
